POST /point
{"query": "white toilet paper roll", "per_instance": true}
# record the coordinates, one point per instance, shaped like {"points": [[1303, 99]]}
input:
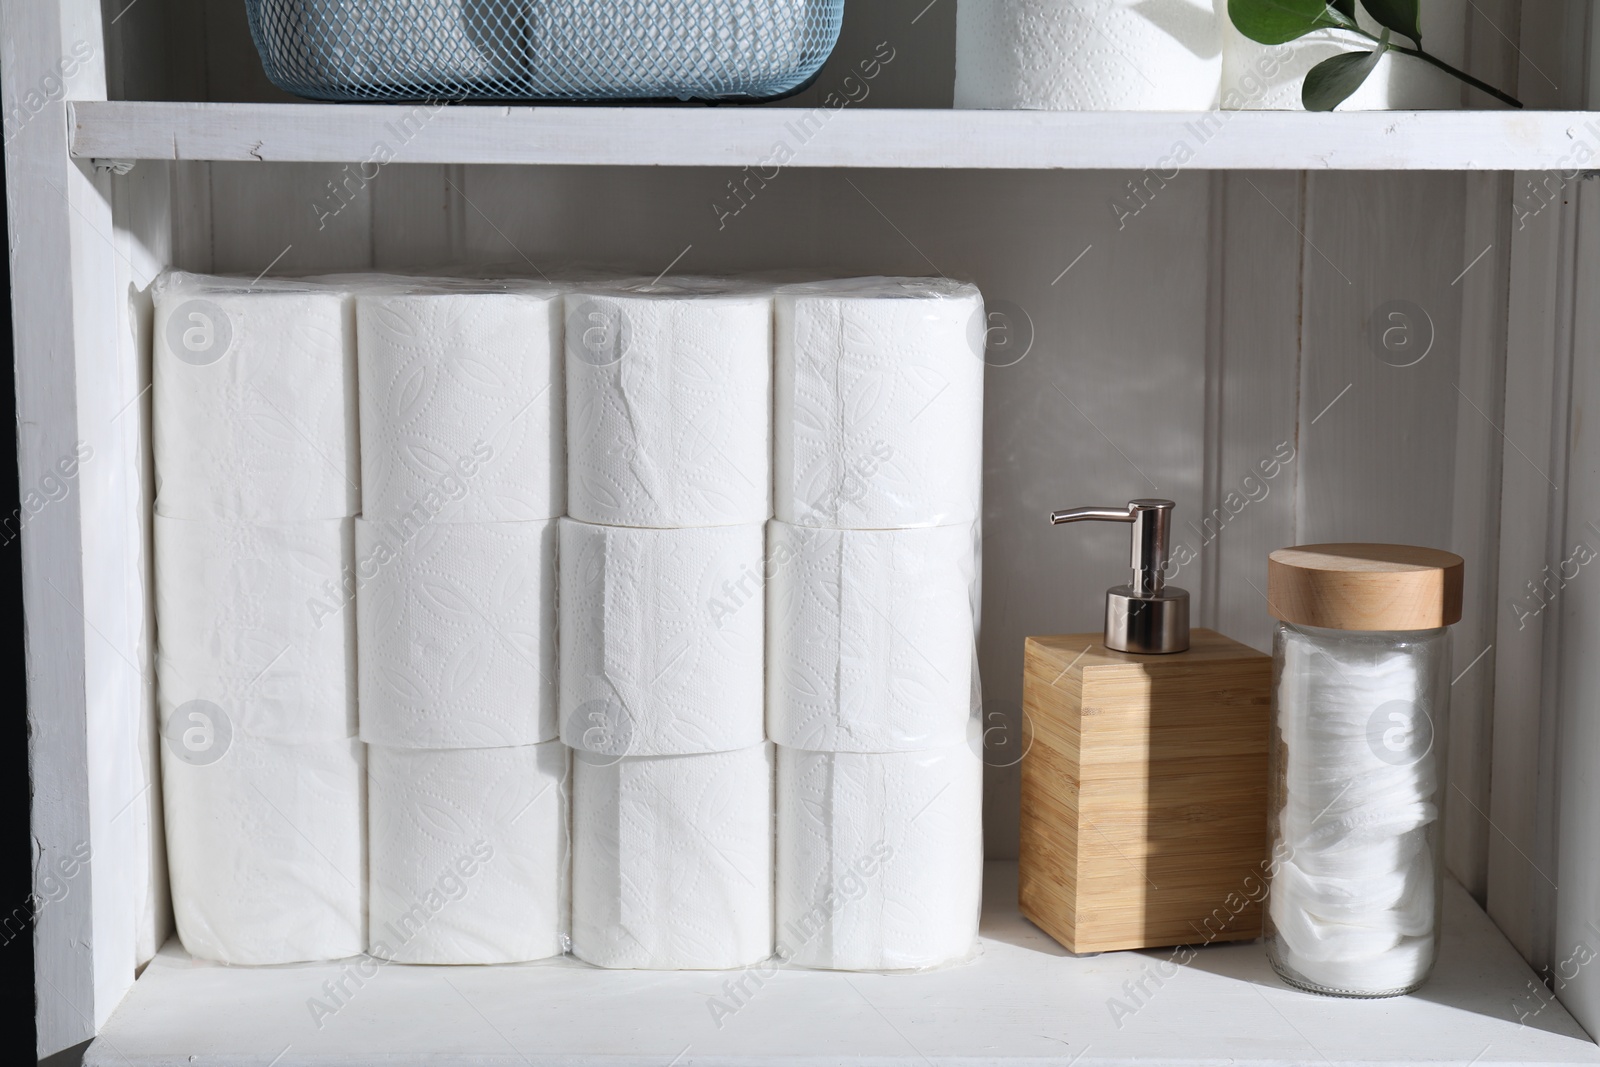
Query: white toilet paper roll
{"points": [[457, 633], [265, 849], [252, 618], [462, 406], [1088, 55], [669, 407], [662, 639], [468, 853], [672, 860], [880, 858], [870, 637], [1258, 77], [254, 404], [878, 400]]}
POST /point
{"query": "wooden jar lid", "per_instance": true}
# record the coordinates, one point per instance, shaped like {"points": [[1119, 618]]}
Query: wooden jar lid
{"points": [[1365, 587]]}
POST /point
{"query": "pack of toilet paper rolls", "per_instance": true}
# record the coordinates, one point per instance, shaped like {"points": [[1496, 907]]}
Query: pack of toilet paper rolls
{"points": [[669, 405], [468, 854], [672, 860], [255, 617], [266, 848], [870, 637], [880, 858], [1259, 77], [662, 639], [878, 403], [254, 400], [457, 631], [463, 408], [1089, 55]]}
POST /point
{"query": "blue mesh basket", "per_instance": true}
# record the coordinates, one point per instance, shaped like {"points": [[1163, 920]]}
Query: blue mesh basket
{"points": [[544, 49]]}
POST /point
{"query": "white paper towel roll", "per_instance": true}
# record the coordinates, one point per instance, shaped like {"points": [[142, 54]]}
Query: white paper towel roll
{"points": [[252, 616], [457, 633], [878, 400], [469, 853], [880, 858], [254, 404], [662, 639], [265, 848], [462, 407], [1258, 77], [1088, 55], [669, 407], [672, 860], [870, 637]]}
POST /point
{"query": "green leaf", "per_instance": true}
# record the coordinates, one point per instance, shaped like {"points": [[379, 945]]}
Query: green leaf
{"points": [[1282, 21], [1401, 16], [1331, 82]]}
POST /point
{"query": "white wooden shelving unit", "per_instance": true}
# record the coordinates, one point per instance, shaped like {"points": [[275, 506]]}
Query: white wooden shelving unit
{"points": [[1176, 324]]}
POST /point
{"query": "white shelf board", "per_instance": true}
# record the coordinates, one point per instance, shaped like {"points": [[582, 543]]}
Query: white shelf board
{"points": [[1021, 1000], [734, 137]]}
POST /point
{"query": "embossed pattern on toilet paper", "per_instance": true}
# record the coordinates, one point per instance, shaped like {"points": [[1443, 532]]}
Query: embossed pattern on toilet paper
{"points": [[255, 617], [266, 851], [669, 408], [462, 406], [672, 860], [662, 639], [468, 854], [253, 402], [878, 400], [870, 637], [1089, 55], [880, 858], [457, 633]]}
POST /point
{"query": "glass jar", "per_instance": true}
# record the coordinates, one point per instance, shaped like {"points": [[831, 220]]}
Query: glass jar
{"points": [[1361, 690]]}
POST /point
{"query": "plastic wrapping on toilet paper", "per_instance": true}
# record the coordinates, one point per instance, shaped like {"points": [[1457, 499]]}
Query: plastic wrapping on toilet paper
{"points": [[870, 637], [266, 851], [1259, 77], [672, 860], [662, 639], [880, 858], [669, 405], [468, 854], [457, 631], [462, 402], [254, 617], [878, 403], [1355, 899], [1089, 55], [253, 400]]}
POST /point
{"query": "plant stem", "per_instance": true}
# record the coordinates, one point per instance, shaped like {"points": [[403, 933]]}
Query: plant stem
{"points": [[1504, 98]]}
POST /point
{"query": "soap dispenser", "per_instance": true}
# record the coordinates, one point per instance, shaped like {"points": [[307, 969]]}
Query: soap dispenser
{"points": [[1144, 786]]}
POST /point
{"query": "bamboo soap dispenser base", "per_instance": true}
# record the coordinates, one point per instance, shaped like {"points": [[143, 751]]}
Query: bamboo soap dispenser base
{"points": [[1144, 792]]}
